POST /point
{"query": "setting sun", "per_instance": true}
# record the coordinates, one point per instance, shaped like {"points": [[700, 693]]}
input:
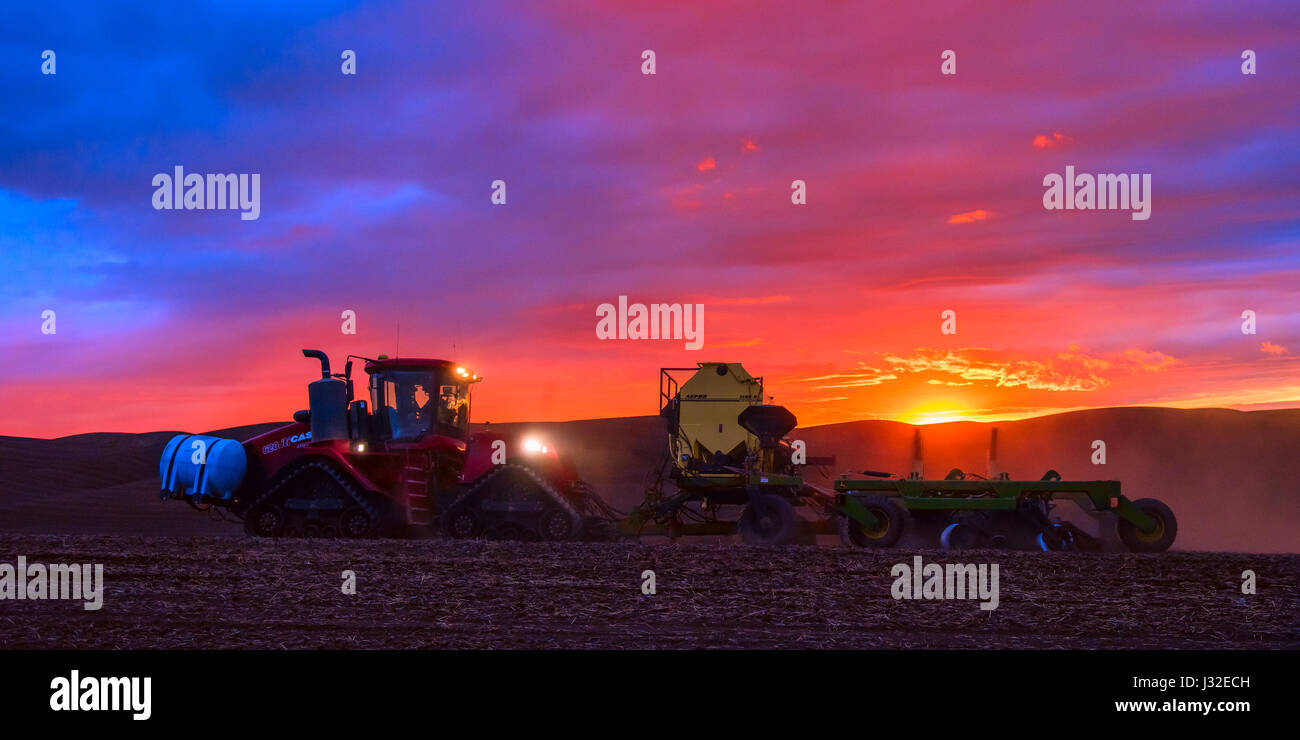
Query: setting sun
{"points": [[935, 412]]}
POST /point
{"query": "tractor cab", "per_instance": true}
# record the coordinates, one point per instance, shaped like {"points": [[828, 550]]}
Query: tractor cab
{"points": [[413, 403], [415, 398]]}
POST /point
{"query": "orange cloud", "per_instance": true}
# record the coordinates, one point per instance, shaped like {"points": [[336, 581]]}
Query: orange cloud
{"points": [[1073, 370], [867, 377], [749, 146], [1148, 362], [969, 217], [707, 164], [751, 301], [1272, 349], [1050, 142]]}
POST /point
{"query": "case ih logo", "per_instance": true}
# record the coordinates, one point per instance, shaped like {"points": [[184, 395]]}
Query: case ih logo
{"points": [[285, 442]]}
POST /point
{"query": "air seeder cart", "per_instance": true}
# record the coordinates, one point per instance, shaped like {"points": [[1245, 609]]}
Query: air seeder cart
{"points": [[725, 449]]}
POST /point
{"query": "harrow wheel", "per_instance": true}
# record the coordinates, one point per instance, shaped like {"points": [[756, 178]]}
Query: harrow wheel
{"points": [[767, 520], [1159, 538], [888, 529]]}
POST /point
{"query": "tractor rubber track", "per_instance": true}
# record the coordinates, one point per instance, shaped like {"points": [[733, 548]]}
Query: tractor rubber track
{"points": [[283, 486], [489, 531]]}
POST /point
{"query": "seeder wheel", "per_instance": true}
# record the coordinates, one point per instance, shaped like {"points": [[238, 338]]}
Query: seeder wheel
{"points": [[888, 529], [767, 520], [1159, 538]]}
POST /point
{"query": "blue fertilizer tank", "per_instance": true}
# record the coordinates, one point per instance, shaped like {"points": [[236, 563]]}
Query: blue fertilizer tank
{"points": [[195, 465]]}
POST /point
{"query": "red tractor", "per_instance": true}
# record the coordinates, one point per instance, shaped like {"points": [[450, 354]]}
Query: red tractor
{"points": [[402, 463]]}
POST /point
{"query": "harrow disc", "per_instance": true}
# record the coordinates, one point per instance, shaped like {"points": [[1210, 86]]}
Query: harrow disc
{"points": [[960, 536], [1056, 537]]}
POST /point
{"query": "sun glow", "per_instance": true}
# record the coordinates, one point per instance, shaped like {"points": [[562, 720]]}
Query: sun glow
{"points": [[934, 412]]}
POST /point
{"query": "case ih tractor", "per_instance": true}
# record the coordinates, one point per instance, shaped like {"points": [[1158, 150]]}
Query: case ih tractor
{"points": [[401, 463]]}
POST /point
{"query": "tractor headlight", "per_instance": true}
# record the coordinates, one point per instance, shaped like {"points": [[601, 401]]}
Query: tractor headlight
{"points": [[533, 446]]}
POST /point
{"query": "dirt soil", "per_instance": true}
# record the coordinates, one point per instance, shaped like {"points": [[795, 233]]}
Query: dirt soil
{"points": [[234, 592]]}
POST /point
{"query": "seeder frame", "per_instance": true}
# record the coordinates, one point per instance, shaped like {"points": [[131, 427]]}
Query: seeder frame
{"points": [[996, 494]]}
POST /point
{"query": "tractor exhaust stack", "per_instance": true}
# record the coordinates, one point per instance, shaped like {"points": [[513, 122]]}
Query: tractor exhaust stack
{"points": [[324, 361]]}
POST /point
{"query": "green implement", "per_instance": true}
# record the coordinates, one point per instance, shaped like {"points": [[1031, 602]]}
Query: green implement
{"points": [[876, 511]]}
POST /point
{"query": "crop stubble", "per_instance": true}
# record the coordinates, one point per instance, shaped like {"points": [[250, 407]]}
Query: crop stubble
{"points": [[231, 592]]}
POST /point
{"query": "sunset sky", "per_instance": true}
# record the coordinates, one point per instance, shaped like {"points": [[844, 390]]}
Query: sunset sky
{"points": [[924, 194]]}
